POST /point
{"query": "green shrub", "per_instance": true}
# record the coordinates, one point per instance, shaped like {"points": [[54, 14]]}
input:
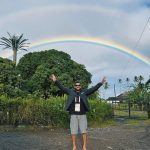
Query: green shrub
{"points": [[35, 111], [100, 111]]}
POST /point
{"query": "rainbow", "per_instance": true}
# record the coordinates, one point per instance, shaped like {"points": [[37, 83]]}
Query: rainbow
{"points": [[95, 41]]}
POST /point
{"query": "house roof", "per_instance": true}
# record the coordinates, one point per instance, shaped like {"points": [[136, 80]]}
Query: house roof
{"points": [[121, 97]]}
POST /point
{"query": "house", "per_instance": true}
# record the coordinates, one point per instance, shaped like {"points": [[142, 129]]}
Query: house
{"points": [[118, 99]]}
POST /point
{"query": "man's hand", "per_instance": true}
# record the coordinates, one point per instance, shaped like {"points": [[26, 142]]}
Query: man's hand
{"points": [[103, 80], [53, 77]]}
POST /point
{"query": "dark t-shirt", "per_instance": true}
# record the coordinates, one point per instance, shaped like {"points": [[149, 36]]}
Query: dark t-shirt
{"points": [[79, 101]]}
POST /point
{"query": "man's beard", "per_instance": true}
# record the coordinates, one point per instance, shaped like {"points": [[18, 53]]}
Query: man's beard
{"points": [[78, 90]]}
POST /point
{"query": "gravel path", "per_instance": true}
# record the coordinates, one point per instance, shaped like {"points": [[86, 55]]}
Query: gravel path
{"points": [[120, 137]]}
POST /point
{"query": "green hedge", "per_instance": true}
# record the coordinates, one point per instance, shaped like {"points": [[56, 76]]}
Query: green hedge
{"points": [[100, 111], [34, 111]]}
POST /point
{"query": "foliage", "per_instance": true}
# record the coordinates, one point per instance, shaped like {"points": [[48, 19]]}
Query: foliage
{"points": [[140, 94], [49, 112], [10, 82], [35, 68], [95, 95], [100, 111]]}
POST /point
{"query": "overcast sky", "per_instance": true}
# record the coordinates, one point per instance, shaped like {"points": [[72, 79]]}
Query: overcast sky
{"points": [[118, 21]]}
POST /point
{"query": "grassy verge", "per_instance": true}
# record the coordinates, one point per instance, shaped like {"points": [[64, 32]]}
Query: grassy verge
{"points": [[141, 114], [106, 123], [136, 117]]}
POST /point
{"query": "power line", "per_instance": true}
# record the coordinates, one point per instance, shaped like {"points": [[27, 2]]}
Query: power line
{"points": [[138, 41], [136, 44]]}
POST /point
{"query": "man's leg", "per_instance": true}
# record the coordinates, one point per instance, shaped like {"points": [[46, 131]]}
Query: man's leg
{"points": [[83, 129], [84, 139], [74, 141], [74, 130]]}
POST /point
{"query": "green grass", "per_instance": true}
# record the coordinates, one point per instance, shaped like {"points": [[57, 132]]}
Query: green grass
{"points": [[131, 121], [106, 123], [136, 117], [136, 121], [141, 114]]}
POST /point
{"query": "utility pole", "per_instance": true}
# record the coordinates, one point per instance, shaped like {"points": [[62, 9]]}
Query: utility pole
{"points": [[115, 93], [114, 90]]}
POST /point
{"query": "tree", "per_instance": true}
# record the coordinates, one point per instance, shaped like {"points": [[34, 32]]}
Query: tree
{"points": [[106, 86], [147, 84], [136, 79], [141, 78], [10, 82], [128, 80], [120, 82], [147, 97], [15, 43], [139, 94], [35, 68]]}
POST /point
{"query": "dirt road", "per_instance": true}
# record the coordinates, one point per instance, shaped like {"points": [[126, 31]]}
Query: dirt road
{"points": [[120, 137]]}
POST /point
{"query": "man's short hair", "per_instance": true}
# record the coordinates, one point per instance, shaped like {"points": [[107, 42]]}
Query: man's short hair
{"points": [[77, 81]]}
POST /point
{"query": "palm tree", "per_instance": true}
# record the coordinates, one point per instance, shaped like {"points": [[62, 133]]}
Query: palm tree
{"points": [[15, 43], [106, 86], [128, 80], [141, 78], [135, 79], [120, 82], [147, 84]]}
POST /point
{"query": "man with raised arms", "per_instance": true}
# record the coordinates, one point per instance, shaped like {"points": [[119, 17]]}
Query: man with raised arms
{"points": [[77, 105]]}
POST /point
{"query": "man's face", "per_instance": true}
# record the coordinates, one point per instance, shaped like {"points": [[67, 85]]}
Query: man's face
{"points": [[77, 86]]}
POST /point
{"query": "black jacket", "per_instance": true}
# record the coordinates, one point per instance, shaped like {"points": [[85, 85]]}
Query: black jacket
{"points": [[83, 94]]}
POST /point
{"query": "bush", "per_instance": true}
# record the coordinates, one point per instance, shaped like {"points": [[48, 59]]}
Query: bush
{"points": [[34, 111], [100, 111]]}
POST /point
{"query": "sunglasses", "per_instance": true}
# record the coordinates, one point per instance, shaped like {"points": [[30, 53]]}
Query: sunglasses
{"points": [[77, 85]]}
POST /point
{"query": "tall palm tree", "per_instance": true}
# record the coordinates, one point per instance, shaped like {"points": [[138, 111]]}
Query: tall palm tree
{"points": [[15, 43], [128, 80], [141, 78], [106, 86], [120, 82], [147, 84], [136, 79]]}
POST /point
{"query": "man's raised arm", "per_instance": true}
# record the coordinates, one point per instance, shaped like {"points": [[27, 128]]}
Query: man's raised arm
{"points": [[96, 87], [60, 86]]}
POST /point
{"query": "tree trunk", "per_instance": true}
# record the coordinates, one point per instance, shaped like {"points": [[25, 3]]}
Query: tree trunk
{"points": [[140, 107], [129, 108], [148, 110], [14, 56], [10, 115]]}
